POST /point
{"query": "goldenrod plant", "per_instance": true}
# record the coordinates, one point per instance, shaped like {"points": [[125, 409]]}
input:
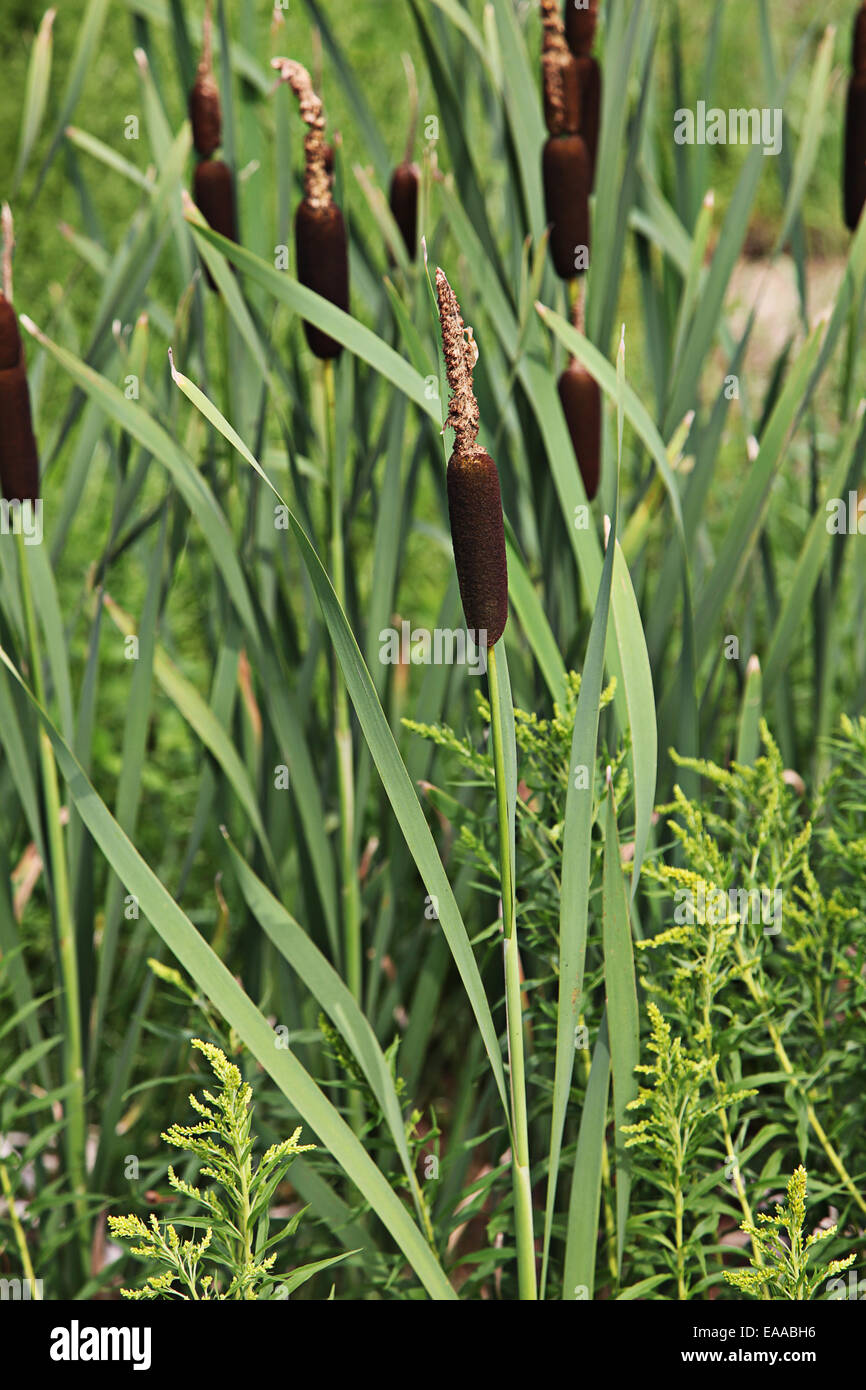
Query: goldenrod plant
{"points": [[787, 1252], [235, 1257]]}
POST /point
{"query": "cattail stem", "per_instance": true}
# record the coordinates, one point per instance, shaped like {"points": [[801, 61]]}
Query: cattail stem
{"points": [[412, 85], [20, 1237], [8, 245], [520, 1167], [351, 900], [73, 1051]]}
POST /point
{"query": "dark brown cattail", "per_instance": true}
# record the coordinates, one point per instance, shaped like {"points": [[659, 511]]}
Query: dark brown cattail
{"points": [[559, 70], [581, 405], [323, 265], [19, 461], [581, 18], [403, 200], [855, 152], [204, 100], [589, 84], [858, 58], [474, 499], [566, 172], [405, 181], [855, 127], [321, 242], [214, 192]]}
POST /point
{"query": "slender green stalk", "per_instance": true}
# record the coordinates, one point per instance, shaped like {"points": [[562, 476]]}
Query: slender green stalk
{"points": [[73, 1053], [351, 899], [525, 1238], [20, 1237]]}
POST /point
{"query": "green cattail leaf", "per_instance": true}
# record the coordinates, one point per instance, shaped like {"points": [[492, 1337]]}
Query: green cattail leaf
{"points": [[799, 591], [622, 1011], [331, 320], [109, 157], [747, 521], [523, 107], [640, 698], [219, 985], [581, 1243], [533, 619], [189, 482], [205, 725], [243, 63], [749, 728], [392, 770], [89, 33], [128, 797], [370, 137], [812, 127], [576, 873], [35, 94], [382, 212], [462, 21], [633, 407], [333, 996]]}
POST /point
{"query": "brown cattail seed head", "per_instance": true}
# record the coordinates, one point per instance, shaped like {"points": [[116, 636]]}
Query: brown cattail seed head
{"points": [[560, 83], [581, 406], [589, 85], [323, 265], [859, 45], [581, 18], [855, 152], [205, 114], [478, 537], [214, 193], [10, 338], [403, 200], [19, 461], [204, 99], [566, 172], [474, 500]]}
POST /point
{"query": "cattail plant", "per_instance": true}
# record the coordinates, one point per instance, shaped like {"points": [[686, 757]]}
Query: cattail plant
{"points": [[474, 499], [478, 536], [580, 396], [405, 180], [213, 184], [320, 232], [580, 26], [855, 127], [566, 167], [19, 462]]}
